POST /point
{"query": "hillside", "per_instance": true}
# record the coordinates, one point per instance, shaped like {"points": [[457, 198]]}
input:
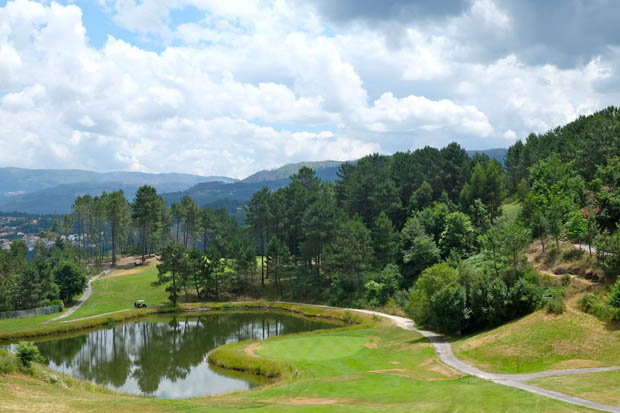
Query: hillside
{"points": [[498, 153], [322, 168], [45, 191]]}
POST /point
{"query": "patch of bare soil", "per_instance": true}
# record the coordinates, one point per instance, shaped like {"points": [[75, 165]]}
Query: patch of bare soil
{"points": [[373, 343], [308, 401], [250, 350]]}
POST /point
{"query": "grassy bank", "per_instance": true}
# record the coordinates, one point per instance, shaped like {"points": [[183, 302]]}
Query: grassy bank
{"points": [[600, 387], [543, 341]]}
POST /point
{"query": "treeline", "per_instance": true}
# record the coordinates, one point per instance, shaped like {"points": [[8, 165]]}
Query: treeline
{"points": [[53, 277]]}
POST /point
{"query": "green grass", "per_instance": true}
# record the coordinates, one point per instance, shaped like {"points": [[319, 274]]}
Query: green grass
{"points": [[599, 387], [114, 293], [511, 211], [357, 368], [542, 341]]}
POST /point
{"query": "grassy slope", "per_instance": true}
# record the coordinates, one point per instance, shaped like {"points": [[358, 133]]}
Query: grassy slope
{"points": [[542, 341], [118, 292], [351, 369], [600, 387]]}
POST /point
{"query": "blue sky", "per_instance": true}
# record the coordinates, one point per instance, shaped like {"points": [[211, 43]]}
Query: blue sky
{"points": [[229, 88]]}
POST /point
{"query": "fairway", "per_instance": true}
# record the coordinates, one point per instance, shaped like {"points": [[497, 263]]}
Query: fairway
{"points": [[114, 293]]}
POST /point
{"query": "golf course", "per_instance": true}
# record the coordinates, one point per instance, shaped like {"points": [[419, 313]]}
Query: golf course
{"points": [[368, 362]]}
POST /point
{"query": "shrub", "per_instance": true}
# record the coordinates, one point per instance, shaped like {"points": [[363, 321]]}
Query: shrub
{"points": [[59, 303], [27, 352], [565, 280], [7, 362], [599, 307], [573, 254], [553, 300], [614, 297]]}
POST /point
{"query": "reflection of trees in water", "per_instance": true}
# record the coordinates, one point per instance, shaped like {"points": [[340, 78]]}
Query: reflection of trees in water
{"points": [[151, 351]]}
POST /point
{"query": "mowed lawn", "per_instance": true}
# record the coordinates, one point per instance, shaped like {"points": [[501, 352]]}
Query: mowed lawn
{"points": [[120, 289], [543, 341], [358, 369], [601, 387]]}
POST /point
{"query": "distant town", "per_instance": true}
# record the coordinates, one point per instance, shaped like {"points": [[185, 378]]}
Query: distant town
{"points": [[29, 228]]}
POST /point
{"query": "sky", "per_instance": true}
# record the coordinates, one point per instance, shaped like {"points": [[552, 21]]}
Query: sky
{"points": [[214, 87]]}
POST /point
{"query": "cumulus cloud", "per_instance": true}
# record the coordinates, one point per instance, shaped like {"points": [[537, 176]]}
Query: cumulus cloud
{"points": [[235, 87]]}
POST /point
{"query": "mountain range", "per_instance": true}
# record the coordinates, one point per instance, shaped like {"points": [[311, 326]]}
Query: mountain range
{"points": [[52, 191]]}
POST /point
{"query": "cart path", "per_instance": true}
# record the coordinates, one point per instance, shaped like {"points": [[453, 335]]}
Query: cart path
{"points": [[444, 351], [84, 297]]}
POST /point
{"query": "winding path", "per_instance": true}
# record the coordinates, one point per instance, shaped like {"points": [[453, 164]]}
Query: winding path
{"points": [[84, 297], [444, 351]]}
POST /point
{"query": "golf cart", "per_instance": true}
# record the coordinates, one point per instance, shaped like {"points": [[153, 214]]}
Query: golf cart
{"points": [[139, 304]]}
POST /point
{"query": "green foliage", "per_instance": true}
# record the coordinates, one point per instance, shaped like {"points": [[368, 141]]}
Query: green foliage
{"points": [[457, 235], [384, 240], [418, 250], [614, 294], [421, 198], [381, 286], [599, 306], [71, 280], [27, 353], [553, 300], [173, 264], [608, 253], [487, 185]]}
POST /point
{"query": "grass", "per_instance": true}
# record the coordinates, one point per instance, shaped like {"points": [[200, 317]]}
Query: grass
{"points": [[542, 341], [119, 292], [599, 387], [511, 211], [359, 368]]}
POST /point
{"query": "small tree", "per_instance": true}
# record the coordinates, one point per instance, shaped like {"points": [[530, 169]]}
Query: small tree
{"points": [[71, 280], [576, 227], [171, 268]]}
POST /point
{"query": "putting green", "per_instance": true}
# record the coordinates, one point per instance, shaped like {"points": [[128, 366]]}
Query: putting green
{"points": [[315, 348]]}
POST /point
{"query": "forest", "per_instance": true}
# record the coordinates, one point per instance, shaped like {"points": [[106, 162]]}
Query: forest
{"points": [[429, 231]]}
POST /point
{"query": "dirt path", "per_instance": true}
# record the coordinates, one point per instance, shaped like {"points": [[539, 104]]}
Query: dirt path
{"points": [[444, 352], [84, 297]]}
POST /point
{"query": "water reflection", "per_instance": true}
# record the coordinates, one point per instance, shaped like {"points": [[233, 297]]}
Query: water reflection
{"points": [[166, 356]]}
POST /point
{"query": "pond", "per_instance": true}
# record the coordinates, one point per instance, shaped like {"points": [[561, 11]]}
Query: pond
{"points": [[165, 356]]}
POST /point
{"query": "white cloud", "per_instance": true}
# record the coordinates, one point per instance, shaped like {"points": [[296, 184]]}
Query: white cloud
{"points": [[255, 84]]}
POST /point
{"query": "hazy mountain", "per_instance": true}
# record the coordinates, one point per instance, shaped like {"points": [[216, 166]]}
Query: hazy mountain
{"points": [[43, 191], [497, 153], [327, 168]]}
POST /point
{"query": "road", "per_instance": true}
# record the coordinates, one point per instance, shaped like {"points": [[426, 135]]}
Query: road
{"points": [[444, 351], [84, 297]]}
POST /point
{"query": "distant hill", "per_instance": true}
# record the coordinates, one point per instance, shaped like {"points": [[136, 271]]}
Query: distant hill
{"points": [[327, 168], [498, 153], [44, 191]]}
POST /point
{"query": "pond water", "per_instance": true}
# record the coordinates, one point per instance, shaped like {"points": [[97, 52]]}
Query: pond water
{"points": [[166, 356]]}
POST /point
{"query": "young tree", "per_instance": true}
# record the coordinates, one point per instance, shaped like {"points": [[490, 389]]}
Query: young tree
{"points": [[457, 235], [351, 251], [421, 198], [418, 250], [258, 218], [189, 211], [71, 280], [172, 265], [117, 211], [278, 256], [146, 214], [576, 227], [384, 240]]}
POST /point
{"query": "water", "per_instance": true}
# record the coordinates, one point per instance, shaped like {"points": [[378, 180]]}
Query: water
{"points": [[166, 356]]}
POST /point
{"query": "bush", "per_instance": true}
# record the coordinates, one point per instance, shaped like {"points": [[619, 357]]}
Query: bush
{"points": [[7, 362], [614, 297], [59, 303], [565, 280], [28, 352], [553, 300], [599, 307]]}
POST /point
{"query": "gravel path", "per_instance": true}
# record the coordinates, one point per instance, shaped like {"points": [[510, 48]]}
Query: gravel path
{"points": [[84, 297], [444, 351]]}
